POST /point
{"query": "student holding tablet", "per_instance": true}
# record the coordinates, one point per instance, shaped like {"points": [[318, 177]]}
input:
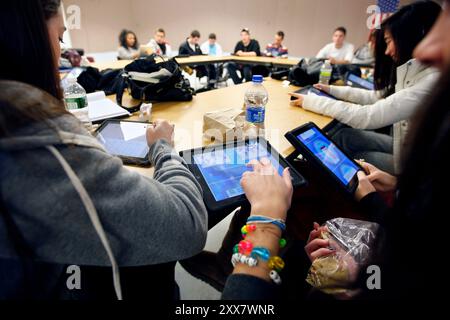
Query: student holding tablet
{"points": [[401, 82], [403, 250], [65, 201]]}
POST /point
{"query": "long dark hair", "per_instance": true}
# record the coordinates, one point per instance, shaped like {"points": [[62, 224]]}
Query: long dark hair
{"points": [[414, 230], [408, 27], [123, 39], [25, 50]]}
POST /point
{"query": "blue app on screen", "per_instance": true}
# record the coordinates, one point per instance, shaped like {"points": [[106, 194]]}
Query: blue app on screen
{"points": [[338, 163], [222, 169]]}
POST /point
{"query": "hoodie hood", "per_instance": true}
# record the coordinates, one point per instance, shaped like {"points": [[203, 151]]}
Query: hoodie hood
{"points": [[58, 131]]}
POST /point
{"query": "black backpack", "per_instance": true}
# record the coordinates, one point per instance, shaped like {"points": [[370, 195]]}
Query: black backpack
{"points": [[308, 73], [171, 88], [107, 80]]}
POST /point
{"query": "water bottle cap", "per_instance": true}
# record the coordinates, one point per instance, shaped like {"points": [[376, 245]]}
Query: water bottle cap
{"points": [[257, 79], [71, 80]]}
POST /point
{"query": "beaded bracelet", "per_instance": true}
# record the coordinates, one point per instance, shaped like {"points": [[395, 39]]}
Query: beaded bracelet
{"points": [[240, 258], [245, 230], [245, 248]]}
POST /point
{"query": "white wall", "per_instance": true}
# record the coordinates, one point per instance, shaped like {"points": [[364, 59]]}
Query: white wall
{"points": [[308, 24]]}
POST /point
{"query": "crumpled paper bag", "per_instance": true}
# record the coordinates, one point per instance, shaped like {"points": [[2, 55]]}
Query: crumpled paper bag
{"points": [[224, 125]]}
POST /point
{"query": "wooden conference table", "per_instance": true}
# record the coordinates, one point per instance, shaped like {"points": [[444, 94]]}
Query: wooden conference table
{"points": [[188, 116], [204, 60], [281, 117]]}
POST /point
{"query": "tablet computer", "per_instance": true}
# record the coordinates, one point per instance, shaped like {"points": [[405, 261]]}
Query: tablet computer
{"points": [[219, 170], [126, 140], [317, 148], [311, 90], [358, 82]]}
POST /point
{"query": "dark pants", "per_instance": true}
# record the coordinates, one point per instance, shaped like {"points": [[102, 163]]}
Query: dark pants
{"points": [[207, 71], [375, 148], [246, 71]]}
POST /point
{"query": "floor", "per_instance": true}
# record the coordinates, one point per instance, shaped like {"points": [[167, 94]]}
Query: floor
{"points": [[190, 287]]}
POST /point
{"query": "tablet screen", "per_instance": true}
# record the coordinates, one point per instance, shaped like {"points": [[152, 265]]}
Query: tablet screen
{"points": [[320, 93], [222, 168], [361, 82], [123, 138], [329, 154]]}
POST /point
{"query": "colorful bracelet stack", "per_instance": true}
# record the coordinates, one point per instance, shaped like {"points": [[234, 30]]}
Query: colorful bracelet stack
{"points": [[246, 253]]}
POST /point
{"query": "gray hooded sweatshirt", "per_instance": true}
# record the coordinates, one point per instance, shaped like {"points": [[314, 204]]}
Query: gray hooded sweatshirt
{"points": [[76, 204]]}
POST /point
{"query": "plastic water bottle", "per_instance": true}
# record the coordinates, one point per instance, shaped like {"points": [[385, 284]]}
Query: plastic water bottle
{"points": [[325, 73], [256, 98], [76, 102]]}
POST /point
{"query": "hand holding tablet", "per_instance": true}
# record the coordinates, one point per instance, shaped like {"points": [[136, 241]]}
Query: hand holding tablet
{"points": [[160, 129], [220, 168], [130, 140], [322, 152]]}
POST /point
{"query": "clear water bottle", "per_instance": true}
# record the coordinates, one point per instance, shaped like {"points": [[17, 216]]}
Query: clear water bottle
{"points": [[76, 101], [325, 73], [256, 98]]}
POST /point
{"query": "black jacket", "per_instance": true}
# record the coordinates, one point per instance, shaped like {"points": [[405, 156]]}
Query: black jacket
{"points": [[185, 49]]}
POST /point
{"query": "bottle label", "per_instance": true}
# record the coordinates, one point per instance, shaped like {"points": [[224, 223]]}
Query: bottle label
{"points": [[76, 103], [325, 73], [255, 114]]}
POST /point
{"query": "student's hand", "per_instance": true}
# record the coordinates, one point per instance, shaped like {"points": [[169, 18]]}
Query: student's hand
{"points": [[382, 181], [161, 130], [317, 247], [298, 102], [323, 87], [136, 55], [333, 60], [239, 53], [268, 193], [365, 187]]}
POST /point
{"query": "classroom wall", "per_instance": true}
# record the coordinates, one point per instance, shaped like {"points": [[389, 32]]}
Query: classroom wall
{"points": [[308, 24]]}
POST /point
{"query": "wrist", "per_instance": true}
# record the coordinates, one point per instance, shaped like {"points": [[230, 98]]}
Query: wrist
{"points": [[271, 210]]}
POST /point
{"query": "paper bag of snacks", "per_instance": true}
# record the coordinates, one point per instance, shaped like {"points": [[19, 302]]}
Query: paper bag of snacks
{"points": [[351, 241], [224, 125]]}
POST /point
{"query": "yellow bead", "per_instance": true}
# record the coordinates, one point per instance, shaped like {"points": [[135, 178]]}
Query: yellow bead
{"points": [[276, 263]]}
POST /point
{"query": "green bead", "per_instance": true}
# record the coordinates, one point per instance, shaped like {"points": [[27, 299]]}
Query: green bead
{"points": [[236, 249], [283, 243]]}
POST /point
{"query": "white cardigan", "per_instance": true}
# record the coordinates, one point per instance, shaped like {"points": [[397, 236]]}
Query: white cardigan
{"points": [[367, 110]]}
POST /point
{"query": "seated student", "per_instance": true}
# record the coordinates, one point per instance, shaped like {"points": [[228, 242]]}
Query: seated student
{"points": [[247, 47], [276, 49], [159, 44], [212, 47], [365, 55], [401, 255], [339, 51], [401, 82], [64, 200], [191, 47], [129, 46]]}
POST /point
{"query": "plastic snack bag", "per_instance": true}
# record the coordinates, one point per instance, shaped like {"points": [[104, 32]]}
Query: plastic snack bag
{"points": [[352, 241]]}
